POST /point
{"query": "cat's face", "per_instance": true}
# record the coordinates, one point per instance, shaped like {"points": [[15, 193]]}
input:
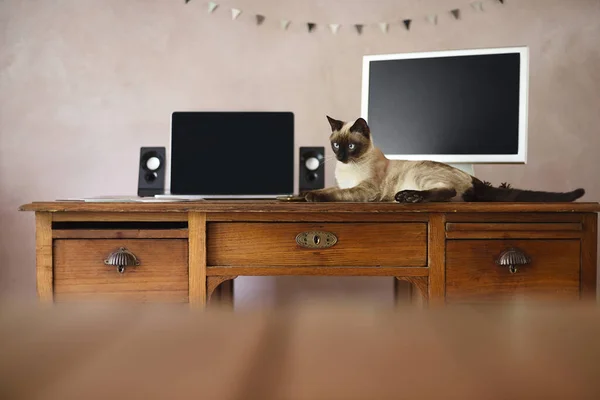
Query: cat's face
{"points": [[349, 140]]}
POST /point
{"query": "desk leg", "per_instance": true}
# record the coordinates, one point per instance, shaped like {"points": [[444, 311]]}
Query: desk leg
{"points": [[197, 258], [43, 256], [403, 292], [420, 283], [220, 289], [436, 260], [226, 289], [589, 249]]}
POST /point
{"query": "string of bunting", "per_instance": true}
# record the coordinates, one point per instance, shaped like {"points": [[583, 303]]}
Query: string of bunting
{"points": [[407, 23]]}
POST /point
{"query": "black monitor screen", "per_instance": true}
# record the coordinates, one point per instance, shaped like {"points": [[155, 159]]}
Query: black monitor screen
{"points": [[445, 105], [232, 153]]}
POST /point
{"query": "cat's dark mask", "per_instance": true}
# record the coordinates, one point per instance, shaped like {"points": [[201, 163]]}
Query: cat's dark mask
{"points": [[349, 144]]}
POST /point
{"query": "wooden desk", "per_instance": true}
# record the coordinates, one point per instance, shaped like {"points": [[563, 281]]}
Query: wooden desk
{"points": [[450, 253], [307, 352]]}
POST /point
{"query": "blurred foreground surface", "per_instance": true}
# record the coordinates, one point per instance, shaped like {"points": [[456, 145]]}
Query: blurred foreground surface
{"points": [[337, 351]]}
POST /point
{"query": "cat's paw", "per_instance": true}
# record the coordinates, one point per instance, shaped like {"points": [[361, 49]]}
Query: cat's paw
{"points": [[315, 196], [409, 196]]}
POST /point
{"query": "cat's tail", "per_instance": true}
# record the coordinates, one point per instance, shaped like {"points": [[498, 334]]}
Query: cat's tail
{"points": [[483, 192]]}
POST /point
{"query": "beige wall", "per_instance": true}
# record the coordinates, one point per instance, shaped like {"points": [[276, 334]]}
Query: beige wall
{"points": [[84, 84]]}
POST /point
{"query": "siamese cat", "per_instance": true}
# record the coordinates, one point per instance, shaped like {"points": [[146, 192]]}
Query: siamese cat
{"points": [[364, 174]]}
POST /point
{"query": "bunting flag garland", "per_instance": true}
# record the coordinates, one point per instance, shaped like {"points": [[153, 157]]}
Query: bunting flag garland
{"points": [[212, 6], [432, 19], [384, 26], [477, 6], [235, 12]]}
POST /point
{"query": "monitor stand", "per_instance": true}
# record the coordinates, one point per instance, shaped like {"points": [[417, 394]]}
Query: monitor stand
{"points": [[468, 168]]}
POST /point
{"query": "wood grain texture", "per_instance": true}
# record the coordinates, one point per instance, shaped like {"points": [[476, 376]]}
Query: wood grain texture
{"points": [[516, 217], [316, 271], [375, 239], [519, 226], [316, 217], [224, 293], [197, 258], [213, 282], [589, 254], [338, 352], [43, 257], [436, 259], [472, 274], [358, 244], [120, 233], [227, 206], [119, 216], [228, 292], [403, 292], [514, 235], [80, 272], [421, 284], [513, 230]]}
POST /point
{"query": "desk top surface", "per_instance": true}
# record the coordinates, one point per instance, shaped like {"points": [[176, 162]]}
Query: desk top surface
{"points": [[262, 206]]}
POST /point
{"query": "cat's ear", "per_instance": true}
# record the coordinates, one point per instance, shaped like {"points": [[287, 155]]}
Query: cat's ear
{"points": [[335, 124], [361, 126]]}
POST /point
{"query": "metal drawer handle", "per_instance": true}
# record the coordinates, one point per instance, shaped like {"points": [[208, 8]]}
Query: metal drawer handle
{"points": [[316, 239], [122, 258], [512, 258]]}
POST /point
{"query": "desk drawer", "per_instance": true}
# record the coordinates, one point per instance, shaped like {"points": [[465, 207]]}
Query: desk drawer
{"points": [[473, 275], [80, 272], [513, 230], [356, 244]]}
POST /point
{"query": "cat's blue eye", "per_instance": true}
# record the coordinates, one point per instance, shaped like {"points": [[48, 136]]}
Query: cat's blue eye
{"points": [[351, 146], [336, 145]]}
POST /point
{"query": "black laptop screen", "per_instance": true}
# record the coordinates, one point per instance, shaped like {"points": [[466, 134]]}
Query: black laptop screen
{"points": [[232, 153]]}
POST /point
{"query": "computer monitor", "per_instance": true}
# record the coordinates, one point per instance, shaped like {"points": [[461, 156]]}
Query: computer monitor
{"points": [[457, 107], [232, 154]]}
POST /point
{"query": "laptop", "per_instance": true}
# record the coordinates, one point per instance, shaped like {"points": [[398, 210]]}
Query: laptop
{"points": [[231, 155]]}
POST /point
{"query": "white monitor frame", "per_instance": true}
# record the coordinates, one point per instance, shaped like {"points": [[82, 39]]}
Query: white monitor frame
{"points": [[519, 158]]}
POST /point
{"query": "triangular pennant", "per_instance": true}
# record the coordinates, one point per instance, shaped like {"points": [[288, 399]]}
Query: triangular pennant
{"points": [[334, 28], [456, 13], [284, 24], [407, 24], [235, 13], [311, 26], [478, 5], [432, 19], [212, 6], [383, 26], [359, 28], [260, 19]]}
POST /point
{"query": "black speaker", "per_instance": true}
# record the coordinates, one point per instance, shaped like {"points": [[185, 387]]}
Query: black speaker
{"points": [[312, 168], [151, 179]]}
